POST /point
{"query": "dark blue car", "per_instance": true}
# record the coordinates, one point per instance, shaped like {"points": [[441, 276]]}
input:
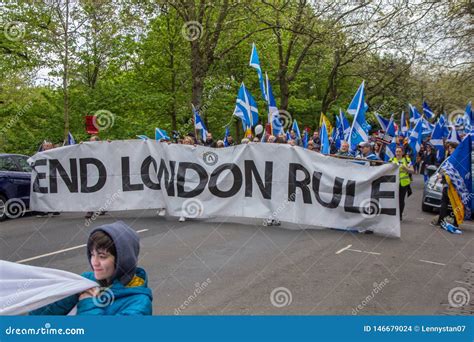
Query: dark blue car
{"points": [[15, 180]]}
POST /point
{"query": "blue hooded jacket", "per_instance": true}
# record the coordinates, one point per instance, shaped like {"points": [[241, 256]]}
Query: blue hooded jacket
{"points": [[129, 293]]}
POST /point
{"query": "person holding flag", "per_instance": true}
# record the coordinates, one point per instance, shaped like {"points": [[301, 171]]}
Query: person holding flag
{"points": [[457, 187]]}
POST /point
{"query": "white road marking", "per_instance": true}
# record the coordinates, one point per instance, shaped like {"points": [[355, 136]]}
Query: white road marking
{"points": [[61, 251], [433, 262], [359, 251], [348, 248], [343, 249]]}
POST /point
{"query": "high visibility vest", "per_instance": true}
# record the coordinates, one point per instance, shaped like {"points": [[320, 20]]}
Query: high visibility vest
{"points": [[404, 176]]}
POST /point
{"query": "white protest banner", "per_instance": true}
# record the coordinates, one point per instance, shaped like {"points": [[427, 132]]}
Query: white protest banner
{"points": [[24, 288], [260, 180]]}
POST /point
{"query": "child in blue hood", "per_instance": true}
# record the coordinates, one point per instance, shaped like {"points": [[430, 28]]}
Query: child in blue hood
{"points": [[112, 250]]}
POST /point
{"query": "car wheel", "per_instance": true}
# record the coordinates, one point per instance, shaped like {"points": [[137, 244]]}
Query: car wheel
{"points": [[426, 208], [3, 208]]}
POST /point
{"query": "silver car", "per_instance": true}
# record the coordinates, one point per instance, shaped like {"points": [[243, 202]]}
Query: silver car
{"points": [[432, 193]]}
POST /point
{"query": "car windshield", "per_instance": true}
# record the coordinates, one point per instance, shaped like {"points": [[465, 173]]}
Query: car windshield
{"points": [[8, 164], [23, 163]]}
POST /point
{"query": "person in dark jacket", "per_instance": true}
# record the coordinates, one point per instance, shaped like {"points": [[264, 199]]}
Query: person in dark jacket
{"points": [[112, 251], [429, 158]]}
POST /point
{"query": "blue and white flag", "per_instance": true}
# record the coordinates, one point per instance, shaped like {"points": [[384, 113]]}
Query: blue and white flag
{"points": [[160, 134], [360, 128], [454, 136], [323, 134], [444, 125], [226, 137], [70, 139], [414, 114], [142, 137], [246, 108], [416, 138], [382, 121], [358, 104], [255, 63], [468, 119], [437, 140], [296, 129], [288, 136], [199, 125], [273, 114], [338, 133], [305, 139], [391, 127], [458, 169], [345, 125], [404, 125], [429, 114]]}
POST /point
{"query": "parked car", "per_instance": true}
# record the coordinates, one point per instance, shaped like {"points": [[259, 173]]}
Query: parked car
{"points": [[15, 180], [432, 194]]}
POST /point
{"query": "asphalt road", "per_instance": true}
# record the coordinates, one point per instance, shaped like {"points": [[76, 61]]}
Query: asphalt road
{"points": [[198, 267]]}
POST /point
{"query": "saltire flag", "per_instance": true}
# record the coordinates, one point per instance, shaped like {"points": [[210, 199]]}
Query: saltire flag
{"points": [[390, 149], [273, 114], [338, 133], [199, 124], [391, 127], [323, 134], [443, 123], [429, 114], [414, 114], [326, 121], [437, 141], [457, 169], [404, 125], [360, 128], [469, 118], [454, 135], [382, 121], [160, 134], [415, 139], [345, 125], [70, 139], [358, 101], [246, 108], [255, 63], [459, 121], [288, 136], [336, 138], [226, 137], [305, 139], [296, 129], [142, 137]]}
